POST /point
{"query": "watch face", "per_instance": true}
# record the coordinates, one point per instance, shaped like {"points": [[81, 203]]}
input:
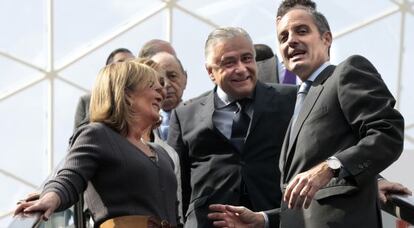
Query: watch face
{"points": [[334, 164]]}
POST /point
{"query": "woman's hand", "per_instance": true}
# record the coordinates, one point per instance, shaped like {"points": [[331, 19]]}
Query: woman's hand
{"points": [[47, 204]]}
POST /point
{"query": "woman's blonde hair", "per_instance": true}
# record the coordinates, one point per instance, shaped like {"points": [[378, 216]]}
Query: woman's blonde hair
{"points": [[109, 104]]}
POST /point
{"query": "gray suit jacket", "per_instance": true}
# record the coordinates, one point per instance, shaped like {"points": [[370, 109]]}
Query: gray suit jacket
{"points": [[212, 168], [348, 113], [82, 111]]}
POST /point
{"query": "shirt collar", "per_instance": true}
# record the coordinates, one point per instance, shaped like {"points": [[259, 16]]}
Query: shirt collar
{"points": [[316, 73], [224, 99], [164, 112]]}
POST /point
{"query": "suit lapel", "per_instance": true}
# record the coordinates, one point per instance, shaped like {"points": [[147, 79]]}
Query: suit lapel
{"points": [[313, 95], [284, 151], [207, 109], [261, 93], [311, 98], [206, 115]]}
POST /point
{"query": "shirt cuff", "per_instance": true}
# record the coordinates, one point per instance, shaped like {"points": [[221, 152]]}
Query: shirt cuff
{"points": [[266, 225]]}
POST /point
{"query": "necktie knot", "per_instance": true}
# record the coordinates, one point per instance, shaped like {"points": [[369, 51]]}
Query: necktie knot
{"points": [[242, 104], [304, 87]]}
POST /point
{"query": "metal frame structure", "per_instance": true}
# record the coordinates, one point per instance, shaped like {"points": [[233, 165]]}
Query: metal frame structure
{"points": [[52, 72]]}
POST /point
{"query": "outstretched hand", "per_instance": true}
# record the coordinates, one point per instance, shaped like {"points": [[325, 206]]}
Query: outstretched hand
{"points": [[386, 187], [47, 204], [227, 216]]}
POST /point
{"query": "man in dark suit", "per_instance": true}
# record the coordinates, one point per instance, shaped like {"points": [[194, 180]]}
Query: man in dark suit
{"points": [[218, 165], [344, 132]]}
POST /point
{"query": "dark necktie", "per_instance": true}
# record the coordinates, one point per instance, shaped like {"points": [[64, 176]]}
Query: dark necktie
{"points": [[303, 91], [240, 124]]}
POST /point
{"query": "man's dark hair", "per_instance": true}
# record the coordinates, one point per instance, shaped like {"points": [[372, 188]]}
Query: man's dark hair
{"points": [[263, 52], [308, 5], [287, 5], [111, 56]]}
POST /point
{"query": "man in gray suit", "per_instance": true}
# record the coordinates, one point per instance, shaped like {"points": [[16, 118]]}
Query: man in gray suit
{"points": [[344, 132], [175, 83], [164, 54], [222, 136]]}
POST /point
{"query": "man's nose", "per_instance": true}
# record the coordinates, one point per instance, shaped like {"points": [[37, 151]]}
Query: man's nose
{"points": [[240, 67], [292, 40], [167, 83], [163, 92]]}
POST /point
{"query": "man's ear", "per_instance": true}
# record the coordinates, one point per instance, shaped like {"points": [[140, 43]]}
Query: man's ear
{"points": [[210, 72], [327, 38], [185, 79]]}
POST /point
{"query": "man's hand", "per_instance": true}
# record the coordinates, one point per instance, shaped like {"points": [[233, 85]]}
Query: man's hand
{"points": [[228, 216], [303, 187], [386, 187]]}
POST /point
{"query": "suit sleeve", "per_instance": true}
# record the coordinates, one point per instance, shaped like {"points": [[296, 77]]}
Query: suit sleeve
{"points": [[175, 140], [273, 216], [368, 106]]}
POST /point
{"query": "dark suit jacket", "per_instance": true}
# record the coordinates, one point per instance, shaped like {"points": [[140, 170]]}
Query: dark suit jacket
{"points": [[212, 168], [348, 113], [82, 111]]}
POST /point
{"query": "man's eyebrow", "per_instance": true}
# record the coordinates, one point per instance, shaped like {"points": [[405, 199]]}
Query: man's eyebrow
{"points": [[227, 57]]}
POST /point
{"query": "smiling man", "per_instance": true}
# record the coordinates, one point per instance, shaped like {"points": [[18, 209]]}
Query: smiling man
{"points": [[343, 133], [325, 174], [229, 138]]}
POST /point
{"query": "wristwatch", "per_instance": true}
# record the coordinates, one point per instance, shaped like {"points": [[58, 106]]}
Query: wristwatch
{"points": [[335, 165]]}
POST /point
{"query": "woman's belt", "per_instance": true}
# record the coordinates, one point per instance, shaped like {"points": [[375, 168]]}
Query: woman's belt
{"points": [[135, 221]]}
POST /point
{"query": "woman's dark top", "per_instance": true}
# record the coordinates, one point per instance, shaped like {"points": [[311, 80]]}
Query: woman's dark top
{"points": [[119, 178]]}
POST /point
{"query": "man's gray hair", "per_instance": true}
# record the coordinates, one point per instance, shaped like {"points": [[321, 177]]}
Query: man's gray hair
{"points": [[224, 33]]}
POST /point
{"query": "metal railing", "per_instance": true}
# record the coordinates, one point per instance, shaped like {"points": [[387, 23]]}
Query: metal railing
{"points": [[400, 206], [63, 219]]}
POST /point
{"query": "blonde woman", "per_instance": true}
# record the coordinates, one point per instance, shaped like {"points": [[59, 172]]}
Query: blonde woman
{"points": [[122, 174]]}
